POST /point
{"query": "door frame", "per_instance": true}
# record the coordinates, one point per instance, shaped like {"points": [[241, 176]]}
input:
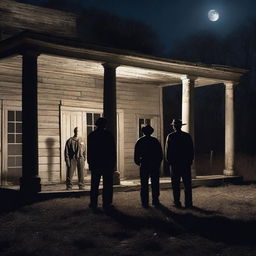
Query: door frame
{"points": [[83, 110], [154, 123]]}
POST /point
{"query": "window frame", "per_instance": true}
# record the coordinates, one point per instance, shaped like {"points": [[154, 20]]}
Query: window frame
{"points": [[154, 119], [7, 105]]}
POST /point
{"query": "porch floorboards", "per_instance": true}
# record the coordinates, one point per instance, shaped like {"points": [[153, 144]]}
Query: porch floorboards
{"points": [[59, 189]]}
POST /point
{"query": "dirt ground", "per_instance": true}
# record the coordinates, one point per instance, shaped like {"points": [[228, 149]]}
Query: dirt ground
{"points": [[223, 223]]}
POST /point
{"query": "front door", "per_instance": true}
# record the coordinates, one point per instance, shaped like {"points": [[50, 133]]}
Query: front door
{"points": [[85, 119], [70, 120]]}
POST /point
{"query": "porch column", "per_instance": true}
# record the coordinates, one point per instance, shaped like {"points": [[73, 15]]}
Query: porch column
{"points": [[29, 182], [229, 129], [188, 84], [109, 105]]}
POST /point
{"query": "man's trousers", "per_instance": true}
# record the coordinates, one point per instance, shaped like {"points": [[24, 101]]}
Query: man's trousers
{"points": [[107, 195], [79, 164], [144, 178], [184, 172]]}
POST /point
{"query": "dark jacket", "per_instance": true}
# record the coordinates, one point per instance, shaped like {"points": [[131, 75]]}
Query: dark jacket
{"points": [[101, 150], [148, 152], [179, 148]]}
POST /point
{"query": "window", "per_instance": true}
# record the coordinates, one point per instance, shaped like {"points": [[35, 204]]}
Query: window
{"points": [[143, 122], [14, 145], [91, 118]]}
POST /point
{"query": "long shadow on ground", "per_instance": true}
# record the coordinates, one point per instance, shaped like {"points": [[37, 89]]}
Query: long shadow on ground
{"points": [[198, 221], [140, 222], [214, 227], [210, 225]]}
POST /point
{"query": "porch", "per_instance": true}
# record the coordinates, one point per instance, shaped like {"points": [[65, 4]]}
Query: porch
{"points": [[57, 190], [113, 68]]}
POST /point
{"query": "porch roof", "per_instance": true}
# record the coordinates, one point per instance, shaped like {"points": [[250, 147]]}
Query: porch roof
{"points": [[132, 66]]}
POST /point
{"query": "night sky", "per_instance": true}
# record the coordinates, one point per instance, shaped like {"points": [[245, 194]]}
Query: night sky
{"points": [[187, 34], [173, 21]]}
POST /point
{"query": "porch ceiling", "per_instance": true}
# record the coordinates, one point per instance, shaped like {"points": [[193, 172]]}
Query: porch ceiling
{"points": [[132, 67], [126, 74]]}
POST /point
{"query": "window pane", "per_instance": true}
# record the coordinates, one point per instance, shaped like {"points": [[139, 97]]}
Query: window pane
{"points": [[15, 149], [18, 127], [89, 118], [18, 160], [18, 116], [89, 130], [96, 116], [10, 115], [19, 138], [10, 127], [11, 138], [11, 161]]}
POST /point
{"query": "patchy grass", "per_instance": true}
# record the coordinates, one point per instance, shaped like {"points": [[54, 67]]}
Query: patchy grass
{"points": [[223, 223]]}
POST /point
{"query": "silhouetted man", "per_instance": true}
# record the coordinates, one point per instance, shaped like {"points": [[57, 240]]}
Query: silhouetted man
{"points": [[148, 155], [74, 158], [101, 157], [179, 152]]}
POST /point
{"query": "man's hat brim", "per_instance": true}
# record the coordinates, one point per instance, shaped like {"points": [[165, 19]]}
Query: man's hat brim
{"points": [[178, 124]]}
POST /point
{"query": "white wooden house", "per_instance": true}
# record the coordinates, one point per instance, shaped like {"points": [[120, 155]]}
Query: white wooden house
{"points": [[50, 84]]}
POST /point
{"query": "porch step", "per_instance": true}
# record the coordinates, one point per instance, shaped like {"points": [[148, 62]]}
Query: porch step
{"points": [[134, 185], [59, 190]]}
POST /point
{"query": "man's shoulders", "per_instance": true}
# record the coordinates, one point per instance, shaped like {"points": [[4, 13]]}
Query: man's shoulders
{"points": [[180, 133], [155, 139], [100, 134], [69, 139], [171, 134], [186, 134], [140, 140], [91, 133]]}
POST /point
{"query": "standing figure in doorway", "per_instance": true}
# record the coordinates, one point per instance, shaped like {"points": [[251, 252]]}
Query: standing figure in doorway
{"points": [[179, 151], [148, 155], [75, 158], [101, 157]]}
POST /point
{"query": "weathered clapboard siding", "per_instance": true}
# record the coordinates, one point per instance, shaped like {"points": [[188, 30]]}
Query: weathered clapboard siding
{"points": [[49, 159], [16, 16], [137, 101], [10, 79], [60, 80], [45, 151]]}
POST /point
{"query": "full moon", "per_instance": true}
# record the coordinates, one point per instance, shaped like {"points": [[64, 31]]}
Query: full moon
{"points": [[213, 15]]}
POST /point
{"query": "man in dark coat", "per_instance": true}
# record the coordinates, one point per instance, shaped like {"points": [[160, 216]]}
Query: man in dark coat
{"points": [[179, 152], [148, 155], [75, 158], [101, 157]]}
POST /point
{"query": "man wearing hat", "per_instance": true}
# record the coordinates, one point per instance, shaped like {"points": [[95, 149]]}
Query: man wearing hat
{"points": [[148, 155], [179, 152]]}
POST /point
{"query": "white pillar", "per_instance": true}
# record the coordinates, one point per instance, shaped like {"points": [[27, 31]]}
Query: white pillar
{"points": [[229, 129], [188, 109]]}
